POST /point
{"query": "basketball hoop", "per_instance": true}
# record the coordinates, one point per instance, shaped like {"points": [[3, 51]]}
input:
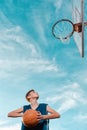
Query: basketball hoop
{"points": [[64, 29]]}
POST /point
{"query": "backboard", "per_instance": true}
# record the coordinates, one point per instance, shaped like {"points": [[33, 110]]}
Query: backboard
{"points": [[78, 16]]}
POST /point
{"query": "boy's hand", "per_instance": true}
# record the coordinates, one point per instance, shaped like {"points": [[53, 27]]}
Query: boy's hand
{"points": [[39, 116]]}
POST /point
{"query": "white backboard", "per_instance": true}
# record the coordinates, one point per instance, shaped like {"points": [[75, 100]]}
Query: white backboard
{"points": [[78, 16]]}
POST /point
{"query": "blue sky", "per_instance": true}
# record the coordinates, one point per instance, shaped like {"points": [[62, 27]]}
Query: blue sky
{"points": [[30, 57]]}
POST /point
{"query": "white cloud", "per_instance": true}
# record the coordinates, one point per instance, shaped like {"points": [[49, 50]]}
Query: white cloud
{"points": [[31, 64], [2, 122], [70, 96], [11, 127], [82, 117], [66, 105], [54, 99], [21, 52], [85, 80], [58, 4], [11, 67], [81, 75], [40, 27], [12, 37]]}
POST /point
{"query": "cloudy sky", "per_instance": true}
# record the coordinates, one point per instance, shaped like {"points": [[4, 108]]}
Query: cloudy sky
{"points": [[30, 57]]}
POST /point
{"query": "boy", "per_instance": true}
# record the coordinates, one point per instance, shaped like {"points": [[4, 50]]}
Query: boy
{"points": [[43, 116]]}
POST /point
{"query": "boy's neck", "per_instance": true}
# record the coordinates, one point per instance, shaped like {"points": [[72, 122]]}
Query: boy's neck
{"points": [[34, 104]]}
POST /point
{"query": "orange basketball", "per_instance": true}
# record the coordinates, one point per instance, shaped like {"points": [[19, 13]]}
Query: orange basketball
{"points": [[30, 118]]}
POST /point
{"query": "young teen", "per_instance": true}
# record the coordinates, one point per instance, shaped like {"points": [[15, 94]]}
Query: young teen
{"points": [[44, 112]]}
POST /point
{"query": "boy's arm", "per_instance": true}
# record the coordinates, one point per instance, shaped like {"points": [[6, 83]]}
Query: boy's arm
{"points": [[52, 114], [16, 113]]}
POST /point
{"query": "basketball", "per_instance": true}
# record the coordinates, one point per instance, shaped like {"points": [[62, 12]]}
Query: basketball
{"points": [[30, 118]]}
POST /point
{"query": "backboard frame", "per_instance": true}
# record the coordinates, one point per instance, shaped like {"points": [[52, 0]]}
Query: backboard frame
{"points": [[78, 16]]}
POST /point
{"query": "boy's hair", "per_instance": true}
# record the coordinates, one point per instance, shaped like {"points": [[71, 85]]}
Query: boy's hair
{"points": [[29, 93]]}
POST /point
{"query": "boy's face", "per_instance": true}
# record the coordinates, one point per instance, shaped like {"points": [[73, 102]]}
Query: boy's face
{"points": [[33, 94]]}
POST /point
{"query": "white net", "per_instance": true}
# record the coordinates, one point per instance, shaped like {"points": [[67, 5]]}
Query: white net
{"points": [[65, 41]]}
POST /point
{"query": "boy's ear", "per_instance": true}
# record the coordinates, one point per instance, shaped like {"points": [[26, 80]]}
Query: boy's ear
{"points": [[28, 97]]}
